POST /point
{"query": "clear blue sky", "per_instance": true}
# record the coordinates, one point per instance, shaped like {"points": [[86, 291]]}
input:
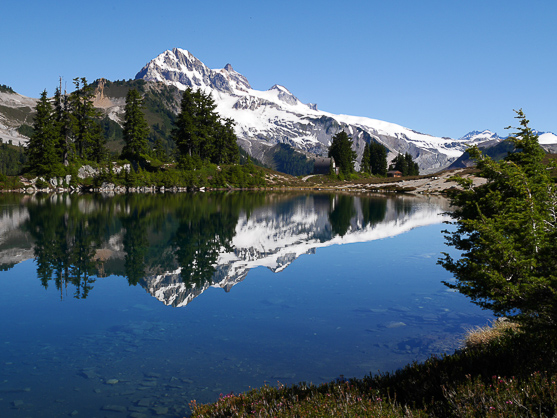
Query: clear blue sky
{"points": [[439, 67]]}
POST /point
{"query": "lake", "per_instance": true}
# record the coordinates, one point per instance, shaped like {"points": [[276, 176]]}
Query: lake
{"points": [[134, 305]]}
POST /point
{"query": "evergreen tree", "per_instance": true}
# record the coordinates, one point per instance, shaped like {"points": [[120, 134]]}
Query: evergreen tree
{"points": [[405, 164], [506, 230], [378, 159], [199, 132], [226, 145], [86, 133], [366, 160], [343, 154], [97, 150], [184, 132], [64, 146], [41, 149], [159, 151], [136, 128], [411, 166]]}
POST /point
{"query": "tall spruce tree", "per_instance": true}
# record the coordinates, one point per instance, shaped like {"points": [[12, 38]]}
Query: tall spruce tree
{"points": [[63, 123], [41, 149], [378, 159], [405, 164], [366, 158], [226, 145], [87, 135], [200, 133], [185, 131], [506, 231], [136, 128], [343, 154]]}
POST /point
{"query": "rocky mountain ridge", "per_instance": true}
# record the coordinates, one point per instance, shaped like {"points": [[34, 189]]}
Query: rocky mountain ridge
{"points": [[263, 118]]}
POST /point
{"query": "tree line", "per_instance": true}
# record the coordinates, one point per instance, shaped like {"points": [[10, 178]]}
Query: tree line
{"points": [[68, 131], [374, 158]]}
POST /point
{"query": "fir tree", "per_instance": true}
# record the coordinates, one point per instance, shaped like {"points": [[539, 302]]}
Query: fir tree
{"points": [[405, 164], [378, 159], [506, 230], [343, 154], [41, 149], [85, 122], [136, 128], [63, 123], [226, 145], [199, 132], [366, 159], [185, 130], [411, 166], [159, 150]]}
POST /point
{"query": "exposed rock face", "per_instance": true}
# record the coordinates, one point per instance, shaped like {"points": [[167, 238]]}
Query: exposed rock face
{"points": [[15, 110]]}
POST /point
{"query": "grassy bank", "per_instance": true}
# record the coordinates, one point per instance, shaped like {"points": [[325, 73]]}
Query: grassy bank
{"points": [[499, 373]]}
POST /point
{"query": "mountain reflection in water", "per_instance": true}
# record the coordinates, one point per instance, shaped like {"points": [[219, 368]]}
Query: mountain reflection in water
{"points": [[176, 246], [81, 337]]}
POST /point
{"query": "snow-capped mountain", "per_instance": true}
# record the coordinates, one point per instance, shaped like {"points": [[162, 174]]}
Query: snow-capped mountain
{"points": [[547, 140], [265, 118], [476, 137], [487, 139]]}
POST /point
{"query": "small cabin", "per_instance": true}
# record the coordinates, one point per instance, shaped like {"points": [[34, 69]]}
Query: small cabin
{"points": [[322, 165], [394, 173]]}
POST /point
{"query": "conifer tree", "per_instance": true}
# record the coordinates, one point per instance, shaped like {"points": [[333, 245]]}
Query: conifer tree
{"points": [[411, 166], [41, 149], [366, 158], [85, 117], [159, 150], [343, 154], [136, 128], [226, 145], [185, 132], [378, 159], [405, 164], [64, 146], [200, 133], [506, 230]]}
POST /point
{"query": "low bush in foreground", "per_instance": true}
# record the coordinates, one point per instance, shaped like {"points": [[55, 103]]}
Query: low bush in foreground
{"points": [[513, 374]]}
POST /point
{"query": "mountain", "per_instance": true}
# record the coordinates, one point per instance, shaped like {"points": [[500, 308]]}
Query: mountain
{"points": [[497, 147], [475, 137], [266, 118], [16, 113]]}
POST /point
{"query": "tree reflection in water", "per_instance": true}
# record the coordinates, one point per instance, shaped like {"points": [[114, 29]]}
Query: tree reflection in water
{"points": [[187, 237]]}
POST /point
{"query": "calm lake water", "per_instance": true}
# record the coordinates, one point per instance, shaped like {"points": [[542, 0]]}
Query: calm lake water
{"points": [[135, 305]]}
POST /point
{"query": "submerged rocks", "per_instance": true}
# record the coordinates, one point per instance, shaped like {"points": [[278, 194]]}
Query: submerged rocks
{"points": [[115, 408]]}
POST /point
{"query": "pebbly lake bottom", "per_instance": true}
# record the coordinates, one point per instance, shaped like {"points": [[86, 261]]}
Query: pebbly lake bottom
{"points": [[348, 310]]}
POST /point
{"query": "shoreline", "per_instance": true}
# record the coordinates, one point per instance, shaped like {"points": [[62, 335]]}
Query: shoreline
{"points": [[435, 184]]}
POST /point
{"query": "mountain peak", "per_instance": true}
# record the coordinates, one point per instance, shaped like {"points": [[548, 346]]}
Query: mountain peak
{"points": [[480, 136], [181, 68], [284, 95]]}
